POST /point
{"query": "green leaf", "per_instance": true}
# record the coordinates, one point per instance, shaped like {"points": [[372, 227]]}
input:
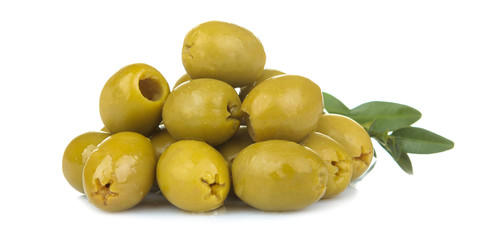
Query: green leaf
{"points": [[394, 149], [334, 105], [385, 116], [422, 141], [399, 155], [404, 162]]}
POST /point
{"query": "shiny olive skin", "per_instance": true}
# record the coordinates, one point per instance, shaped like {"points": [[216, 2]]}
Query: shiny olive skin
{"points": [[336, 158], [193, 176], [132, 99], [184, 78], [120, 172], [283, 107], [76, 154], [204, 110], [223, 51], [233, 146], [352, 136], [279, 175], [267, 73], [161, 139]]}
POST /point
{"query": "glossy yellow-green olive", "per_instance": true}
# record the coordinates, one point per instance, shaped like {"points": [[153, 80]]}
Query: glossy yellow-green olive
{"points": [[337, 160], [233, 146], [132, 99], [76, 154], [193, 176], [120, 172], [352, 136], [283, 107], [279, 175], [203, 109], [161, 139], [267, 73], [223, 51], [184, 78]]}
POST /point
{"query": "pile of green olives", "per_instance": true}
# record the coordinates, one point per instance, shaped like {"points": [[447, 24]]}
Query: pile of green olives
{"points": [[228, 128]]}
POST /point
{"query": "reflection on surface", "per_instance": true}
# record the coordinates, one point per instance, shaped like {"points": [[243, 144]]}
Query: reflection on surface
{"points": [[155, 203]]}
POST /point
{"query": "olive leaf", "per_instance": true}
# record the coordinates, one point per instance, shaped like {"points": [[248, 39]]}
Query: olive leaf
{"points": [[393, 148], [404, 162], [399, 155], [386, 116], [334, 105], [421, 141]]}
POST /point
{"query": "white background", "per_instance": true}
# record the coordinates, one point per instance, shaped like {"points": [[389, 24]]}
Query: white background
{"points": [[56, 56]]}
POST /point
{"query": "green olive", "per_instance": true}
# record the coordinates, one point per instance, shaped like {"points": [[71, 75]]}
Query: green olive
{"points": [[120, 172], [204, 110], [352, 136], [161, 139], [132, 99], [283, 107], [267, 73], [76, 154], [337, 160], [184, 78], [279, 175], [193, 176], [223, 51], [233, 146]]}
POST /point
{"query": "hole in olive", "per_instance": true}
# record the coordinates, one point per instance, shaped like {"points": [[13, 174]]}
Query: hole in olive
{"points": [[233, 111], [335, 164], [104, 192], [364, 157], [214, 187], [337, 168], [230, 108], [150, 89]]}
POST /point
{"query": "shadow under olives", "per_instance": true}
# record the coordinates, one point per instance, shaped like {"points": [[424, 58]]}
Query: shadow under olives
{"points": [[150, 89]]}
